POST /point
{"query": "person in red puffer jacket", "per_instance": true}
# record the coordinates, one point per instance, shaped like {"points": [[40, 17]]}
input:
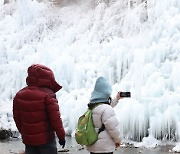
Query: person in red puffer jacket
{"points": [[36, 112]]}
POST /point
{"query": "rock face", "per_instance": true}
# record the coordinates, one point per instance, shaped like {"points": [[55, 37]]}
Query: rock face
{"points": [[4, 134]]}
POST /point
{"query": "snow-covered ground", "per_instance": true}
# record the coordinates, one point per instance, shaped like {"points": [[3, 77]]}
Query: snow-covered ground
{"points": [[137, 48]]}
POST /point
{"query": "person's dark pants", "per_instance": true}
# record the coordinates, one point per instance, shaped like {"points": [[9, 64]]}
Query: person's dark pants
{"points": [[49, 148], [101, 153]]}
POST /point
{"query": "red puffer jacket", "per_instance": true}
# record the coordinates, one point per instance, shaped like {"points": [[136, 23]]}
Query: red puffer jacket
{"points": [[35, 107]]}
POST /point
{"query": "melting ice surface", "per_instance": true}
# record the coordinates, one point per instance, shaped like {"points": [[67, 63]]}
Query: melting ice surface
{"points": [[136, 47]]}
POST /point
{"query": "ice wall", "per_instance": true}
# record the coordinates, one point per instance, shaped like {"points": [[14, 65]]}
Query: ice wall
{"points": [[136, 48]]}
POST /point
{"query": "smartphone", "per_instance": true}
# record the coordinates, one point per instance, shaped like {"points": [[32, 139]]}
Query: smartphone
{"points": [[125, 94]]}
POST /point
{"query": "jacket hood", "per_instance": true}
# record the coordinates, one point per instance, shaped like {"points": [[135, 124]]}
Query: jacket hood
{"points": [[42, 76], [101, 92]]}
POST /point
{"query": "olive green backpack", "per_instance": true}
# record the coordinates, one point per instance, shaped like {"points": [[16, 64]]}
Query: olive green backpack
{"points": [[85, 133]]}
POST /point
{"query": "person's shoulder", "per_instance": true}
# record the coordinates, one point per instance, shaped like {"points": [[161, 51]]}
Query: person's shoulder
{"points": [[35, 91], [107, 108], [21, 91], [104, 107], [107, 111], [48, 92]]}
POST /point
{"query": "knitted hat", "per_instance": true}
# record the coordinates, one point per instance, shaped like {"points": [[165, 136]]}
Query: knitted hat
{"points": [[102, 91]]}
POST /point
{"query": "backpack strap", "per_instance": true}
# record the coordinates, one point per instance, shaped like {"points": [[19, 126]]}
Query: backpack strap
{"points": [[101, 129]]}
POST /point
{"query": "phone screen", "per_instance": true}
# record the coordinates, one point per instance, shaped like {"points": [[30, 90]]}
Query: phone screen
{"points": [[125, 94]]}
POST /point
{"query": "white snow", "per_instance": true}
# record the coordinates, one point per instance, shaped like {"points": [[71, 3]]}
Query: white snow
{"points": [[137, 48], [148, 142], [176, 148]]}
